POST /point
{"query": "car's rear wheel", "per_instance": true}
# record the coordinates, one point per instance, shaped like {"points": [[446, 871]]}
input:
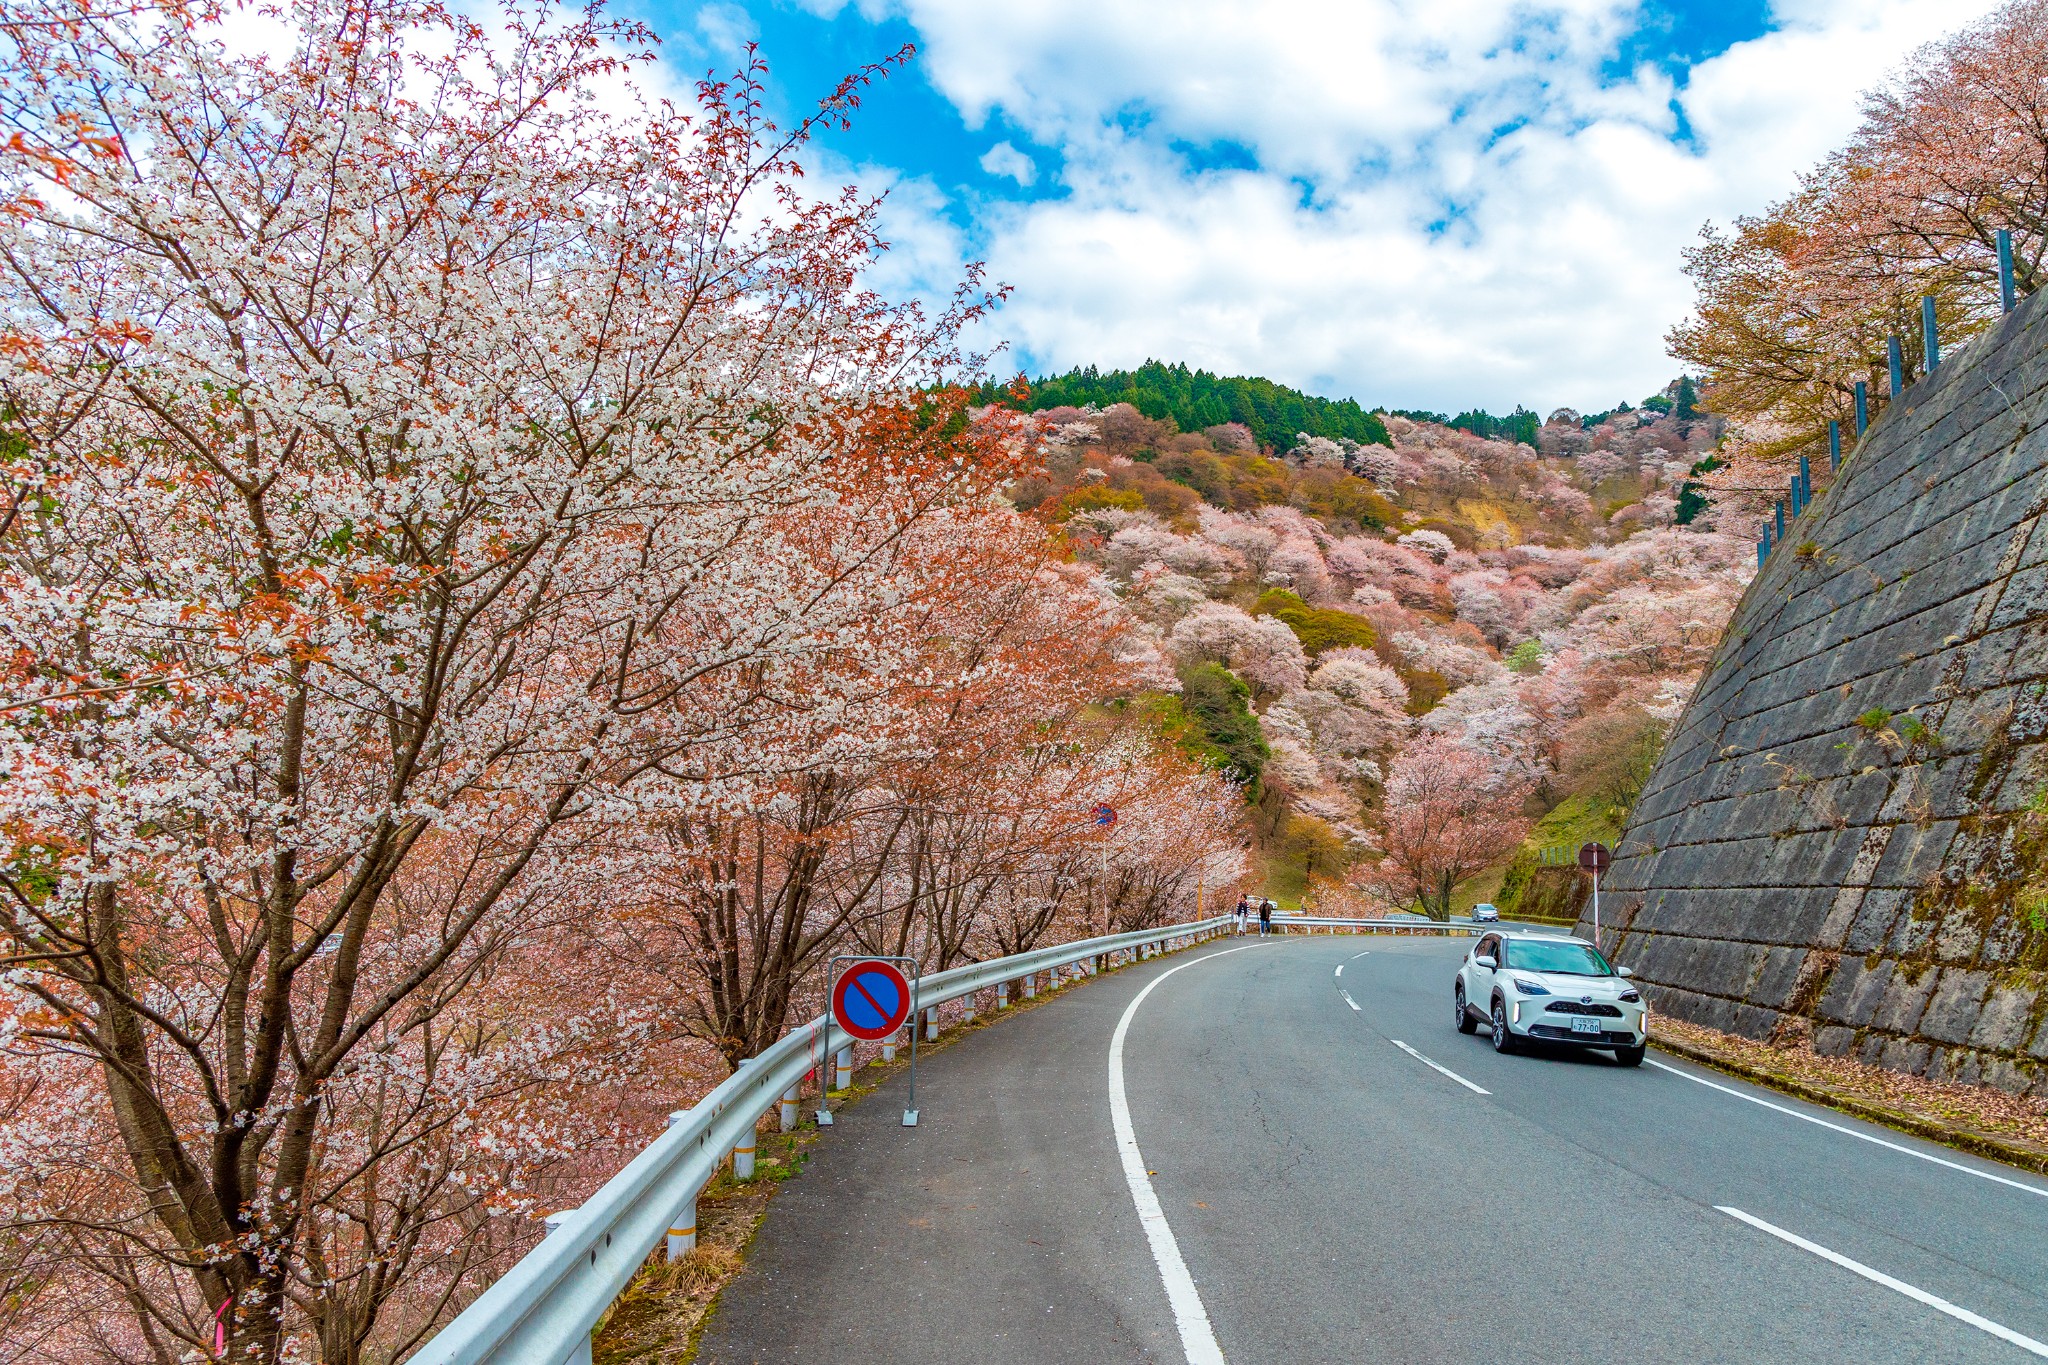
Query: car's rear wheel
{"points": [[1503, 1041], [1631, 1056], [1466, 1023]]}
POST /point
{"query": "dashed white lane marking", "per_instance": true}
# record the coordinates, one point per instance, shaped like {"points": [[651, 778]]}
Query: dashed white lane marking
{"points": [[1340, 969], [1934, 1301], [1355, 956], [1197, 1337], [1348, 1000], [1851, 1132], [1435, 1067]]}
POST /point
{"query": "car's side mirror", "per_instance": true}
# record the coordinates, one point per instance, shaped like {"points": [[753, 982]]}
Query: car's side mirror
{"points": [[1624, 971], [1483, 960]]}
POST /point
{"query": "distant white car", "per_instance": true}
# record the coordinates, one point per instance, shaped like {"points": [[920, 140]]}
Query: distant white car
{"points": [[1485, 913], [1550, 988]]}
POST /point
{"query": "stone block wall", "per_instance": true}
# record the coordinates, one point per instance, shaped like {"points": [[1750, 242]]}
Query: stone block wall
{"points": [[1846, 838]]}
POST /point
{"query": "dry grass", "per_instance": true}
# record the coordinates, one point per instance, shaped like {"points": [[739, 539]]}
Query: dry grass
{"points": [[1976, 1118]]}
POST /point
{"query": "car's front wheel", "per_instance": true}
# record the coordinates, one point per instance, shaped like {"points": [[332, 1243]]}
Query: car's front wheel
{"points": [[1465, 1021], [1503, 1041], [1631, 1056]]}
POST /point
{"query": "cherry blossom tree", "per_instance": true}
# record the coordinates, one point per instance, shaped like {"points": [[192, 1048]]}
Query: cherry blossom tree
{"points": [[410, 465], [1447, 817]]}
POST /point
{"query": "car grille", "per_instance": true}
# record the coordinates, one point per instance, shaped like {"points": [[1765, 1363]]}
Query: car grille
{"points": [[1574, 1007]]}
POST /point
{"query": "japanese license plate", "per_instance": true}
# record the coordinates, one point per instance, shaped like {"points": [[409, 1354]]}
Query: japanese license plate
{"points": [[1584, 1025]]}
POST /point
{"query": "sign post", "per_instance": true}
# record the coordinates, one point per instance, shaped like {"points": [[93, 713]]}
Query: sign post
{"points": [[870, 999], [1595, 858]]}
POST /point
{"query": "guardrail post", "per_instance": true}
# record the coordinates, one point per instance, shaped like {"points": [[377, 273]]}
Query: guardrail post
{"points": [[889, 1047], [1002, 995], [1031, 985], [743, 1155], [791, 1102], [931, 1024], [843, 1069], [682, 1232], [968, 1000]]}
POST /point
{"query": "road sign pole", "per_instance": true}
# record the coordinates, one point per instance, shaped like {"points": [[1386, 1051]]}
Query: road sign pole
{"points": [[910, 1106], [1596, 911]]}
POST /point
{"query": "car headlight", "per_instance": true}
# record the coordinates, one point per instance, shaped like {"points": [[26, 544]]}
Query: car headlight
{"points": [[1633, 997], [1530, 987]]}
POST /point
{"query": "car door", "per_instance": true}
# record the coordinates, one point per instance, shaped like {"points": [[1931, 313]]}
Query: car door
{"points": [[1479, 978]]}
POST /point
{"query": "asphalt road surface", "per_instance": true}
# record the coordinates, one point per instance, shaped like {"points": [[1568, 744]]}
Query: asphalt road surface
{"points": [[1333, 1197]]}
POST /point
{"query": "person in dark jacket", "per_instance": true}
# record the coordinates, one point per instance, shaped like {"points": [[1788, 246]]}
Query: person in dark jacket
{"points": [[1265, 917]]}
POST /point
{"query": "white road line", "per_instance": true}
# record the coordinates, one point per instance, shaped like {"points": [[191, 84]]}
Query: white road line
{"points": [[1348, 1000], [1355, 956], [1340, 969], [1435, 1067], [1197, 1337], [1851, 1132], [1934, 1301]]}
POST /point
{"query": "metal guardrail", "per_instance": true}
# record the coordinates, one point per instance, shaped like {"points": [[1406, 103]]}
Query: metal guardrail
{"points": [[543, 1310], [1378, 926]]}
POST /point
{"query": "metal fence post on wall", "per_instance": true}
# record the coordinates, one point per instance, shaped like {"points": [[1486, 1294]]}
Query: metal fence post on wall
{"points": [[1781, 520], [1930, 335], [1834, 446], [1895, 358], [1862, 408], [1805, 482], [2008, 295]]}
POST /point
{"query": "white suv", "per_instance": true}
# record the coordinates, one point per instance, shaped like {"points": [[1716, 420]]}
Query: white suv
{"points": [[1551, 988]]}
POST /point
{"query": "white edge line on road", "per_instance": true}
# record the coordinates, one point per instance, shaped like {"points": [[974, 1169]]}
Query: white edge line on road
{"points": [[1355, 956], [1349, 1001], [1934, 1301], [1197, 1337], [1435, 1067], [1851, 1132]]}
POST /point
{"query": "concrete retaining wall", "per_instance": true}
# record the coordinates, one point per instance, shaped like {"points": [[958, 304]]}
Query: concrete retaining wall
{"points": [[1847, 835]]}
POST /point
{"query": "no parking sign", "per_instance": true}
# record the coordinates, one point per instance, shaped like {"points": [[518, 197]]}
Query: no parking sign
{"points": [[871, 1000]]}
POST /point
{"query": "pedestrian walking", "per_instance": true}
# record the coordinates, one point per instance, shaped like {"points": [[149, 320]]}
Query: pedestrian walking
{"points": [[1244, 913], [1265, 917]]}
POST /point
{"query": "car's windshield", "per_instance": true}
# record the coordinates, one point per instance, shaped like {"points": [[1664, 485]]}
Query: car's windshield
{"points": [[1566, 959]]}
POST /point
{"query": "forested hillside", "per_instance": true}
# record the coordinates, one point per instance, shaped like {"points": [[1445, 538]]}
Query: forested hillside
{"points": [[1406, 653], [1193, 399]]}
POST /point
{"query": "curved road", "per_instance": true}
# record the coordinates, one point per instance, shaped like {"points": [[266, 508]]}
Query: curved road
{"points": [[1335, 1198]]}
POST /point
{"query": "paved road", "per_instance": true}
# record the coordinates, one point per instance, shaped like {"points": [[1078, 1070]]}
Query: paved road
{"points": [[1335, 1199]]}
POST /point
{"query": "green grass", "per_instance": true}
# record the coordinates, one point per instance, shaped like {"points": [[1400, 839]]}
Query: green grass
{"points": [[1579, 820]]}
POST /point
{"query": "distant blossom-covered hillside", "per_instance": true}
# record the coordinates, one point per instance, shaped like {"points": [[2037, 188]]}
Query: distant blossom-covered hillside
{"points": [[1329, 616]]}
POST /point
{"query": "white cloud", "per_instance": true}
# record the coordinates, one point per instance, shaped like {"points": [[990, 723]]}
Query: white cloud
{"points": [[1005, 159], [1452, 202]]}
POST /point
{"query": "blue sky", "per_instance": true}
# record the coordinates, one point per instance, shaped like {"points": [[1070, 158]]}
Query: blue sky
{"points": [[1417, 203]]}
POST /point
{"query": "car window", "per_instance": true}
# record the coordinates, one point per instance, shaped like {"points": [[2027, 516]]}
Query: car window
{"points": [[1489, 947]]}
